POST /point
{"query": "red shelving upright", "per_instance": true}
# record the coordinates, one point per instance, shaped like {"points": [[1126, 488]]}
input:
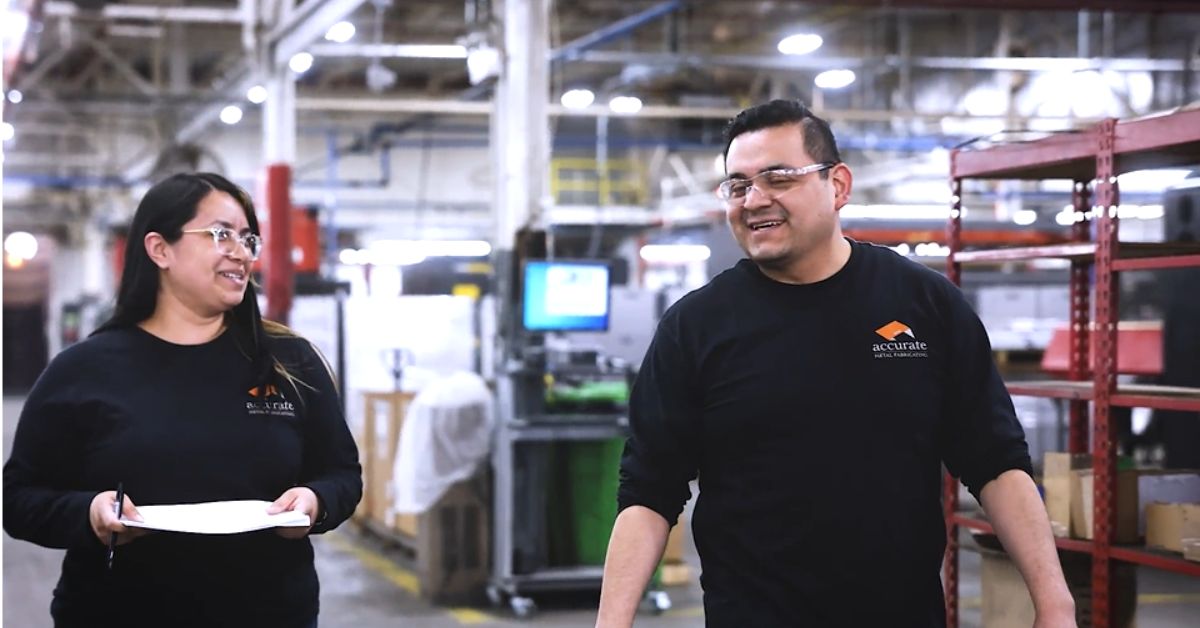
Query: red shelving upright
{"points": [[1093, 157]]}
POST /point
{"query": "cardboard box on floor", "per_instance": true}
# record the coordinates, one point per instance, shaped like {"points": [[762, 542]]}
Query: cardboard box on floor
{"points": [[1167, 525], [453, 544], [378, 444], [1006, 600]]}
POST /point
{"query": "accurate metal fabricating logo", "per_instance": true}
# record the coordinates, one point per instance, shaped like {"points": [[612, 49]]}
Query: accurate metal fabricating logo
{"points": [[279, 406], [898, 348]]}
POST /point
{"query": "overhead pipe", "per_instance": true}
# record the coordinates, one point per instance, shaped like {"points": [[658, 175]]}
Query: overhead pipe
{"points": [[620, 28]]}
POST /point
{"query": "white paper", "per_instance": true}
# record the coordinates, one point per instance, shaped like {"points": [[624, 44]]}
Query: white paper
{"points": [[228, 517]]}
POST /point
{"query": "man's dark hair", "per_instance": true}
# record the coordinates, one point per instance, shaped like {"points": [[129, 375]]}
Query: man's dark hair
{"points": [[818, 138]]}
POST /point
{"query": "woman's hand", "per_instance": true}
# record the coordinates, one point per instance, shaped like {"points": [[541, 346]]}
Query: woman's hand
{"points": [[299, 499], [105, 521]]}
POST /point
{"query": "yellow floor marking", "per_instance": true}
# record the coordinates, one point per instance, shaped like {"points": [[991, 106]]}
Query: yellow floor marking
{"points": [[402, 578], [470, 616]]}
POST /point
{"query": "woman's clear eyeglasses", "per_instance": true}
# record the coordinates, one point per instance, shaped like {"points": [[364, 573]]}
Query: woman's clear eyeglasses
{"points": [[227, 240], [769, 183]]}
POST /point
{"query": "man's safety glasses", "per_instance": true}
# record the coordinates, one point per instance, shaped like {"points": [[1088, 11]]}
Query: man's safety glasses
{"points": [[768, 183]]}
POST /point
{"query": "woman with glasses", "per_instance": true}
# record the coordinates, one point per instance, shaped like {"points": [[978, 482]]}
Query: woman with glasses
{"points": [[186, 395]]}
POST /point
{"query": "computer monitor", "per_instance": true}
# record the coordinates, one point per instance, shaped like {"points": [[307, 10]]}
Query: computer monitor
{"points": [[566, 295]]}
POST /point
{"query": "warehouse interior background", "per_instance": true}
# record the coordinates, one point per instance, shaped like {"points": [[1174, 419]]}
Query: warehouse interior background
{"points": [[415, 155]]}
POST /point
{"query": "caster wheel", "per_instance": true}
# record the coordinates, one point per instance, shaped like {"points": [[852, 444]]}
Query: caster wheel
{"points": [[657, 602], [523, 607]]}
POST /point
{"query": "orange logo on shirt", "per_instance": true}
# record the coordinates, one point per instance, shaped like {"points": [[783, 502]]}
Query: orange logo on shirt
{"points": [[266, 391], [893, 329]]}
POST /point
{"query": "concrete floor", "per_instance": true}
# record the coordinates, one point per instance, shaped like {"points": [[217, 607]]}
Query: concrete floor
{"points": [[366, 584]]}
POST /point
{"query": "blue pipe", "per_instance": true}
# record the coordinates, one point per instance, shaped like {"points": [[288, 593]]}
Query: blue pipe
{"points": [[620, 28]]}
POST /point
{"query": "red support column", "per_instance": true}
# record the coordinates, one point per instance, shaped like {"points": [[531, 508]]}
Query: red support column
{"points": [[279, 242], [1080, 323], [1104, 382], [950, 485]]}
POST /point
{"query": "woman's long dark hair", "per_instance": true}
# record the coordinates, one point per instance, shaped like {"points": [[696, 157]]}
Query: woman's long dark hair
{"points": [[165, 209]]}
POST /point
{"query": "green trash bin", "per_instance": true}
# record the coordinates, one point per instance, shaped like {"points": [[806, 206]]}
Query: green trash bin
{"points": [[594, 476]]}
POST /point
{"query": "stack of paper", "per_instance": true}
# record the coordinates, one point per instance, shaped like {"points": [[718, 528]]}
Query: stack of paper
{"points": [[229, 517]]}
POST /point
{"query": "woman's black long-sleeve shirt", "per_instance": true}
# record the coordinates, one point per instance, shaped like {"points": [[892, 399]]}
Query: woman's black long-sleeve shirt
{"points": [[178, 424], [817, 418]]}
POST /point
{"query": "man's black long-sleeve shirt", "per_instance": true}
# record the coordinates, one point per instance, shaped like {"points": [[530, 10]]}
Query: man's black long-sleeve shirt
{"points": [[817, 418], [178, 424]]}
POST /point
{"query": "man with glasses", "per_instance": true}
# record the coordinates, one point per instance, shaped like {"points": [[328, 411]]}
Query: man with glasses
{"points": [[816, 388]]}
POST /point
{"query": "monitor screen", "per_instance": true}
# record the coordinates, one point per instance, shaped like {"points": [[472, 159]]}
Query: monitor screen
{"points": [[566, 295]]}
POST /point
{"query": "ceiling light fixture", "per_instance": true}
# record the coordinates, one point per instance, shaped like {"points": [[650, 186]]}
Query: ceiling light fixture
{"points": [[257, 94], [578, 98], [834, 79], [625, 104], [301, 62], [1025, 217], [340, 33], [231, 114], [800, 44], [7, 132]]}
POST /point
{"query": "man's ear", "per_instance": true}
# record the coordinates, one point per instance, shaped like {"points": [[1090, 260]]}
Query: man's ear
{"points": [[158, 249], [843, 182]]}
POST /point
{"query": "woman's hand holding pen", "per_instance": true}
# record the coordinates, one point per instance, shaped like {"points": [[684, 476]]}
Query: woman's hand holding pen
{"points": [[299, 499], [105, 521]]}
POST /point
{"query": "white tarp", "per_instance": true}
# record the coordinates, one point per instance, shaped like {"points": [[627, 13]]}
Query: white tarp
{"points": [[446, 433]]}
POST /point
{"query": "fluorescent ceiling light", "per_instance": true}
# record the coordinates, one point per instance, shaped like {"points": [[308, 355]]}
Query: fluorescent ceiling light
{"points": [[897, 212], [1025, 217], [430, 51], [625, 104], [257, 94], [800, 44], [674, 253], [1151, 180], [21, 245], [15, 96], [437, 248], [931, 249], [834, 79], [340, 33], [301, 62], [231, 114], [483, 62], [7, 132], [578, 98], [13, 25]]}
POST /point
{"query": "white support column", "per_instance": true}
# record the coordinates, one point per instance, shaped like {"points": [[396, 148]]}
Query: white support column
{"points": [[521, 127], [279, 117]]}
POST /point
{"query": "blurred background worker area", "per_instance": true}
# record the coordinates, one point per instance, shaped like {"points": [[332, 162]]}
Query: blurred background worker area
{"points": [[375, 313]]}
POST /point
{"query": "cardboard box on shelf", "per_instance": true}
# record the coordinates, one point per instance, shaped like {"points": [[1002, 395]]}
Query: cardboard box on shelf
{"points": [[1167, 487], [1056, 481], [1167, 525], [1082, 509], [1191, 549]]}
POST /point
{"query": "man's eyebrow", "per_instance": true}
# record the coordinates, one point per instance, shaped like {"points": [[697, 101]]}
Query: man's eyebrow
{"points": [[738, 175]]}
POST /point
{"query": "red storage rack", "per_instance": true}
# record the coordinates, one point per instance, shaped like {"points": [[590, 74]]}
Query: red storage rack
{"points": [[1092, 158]]}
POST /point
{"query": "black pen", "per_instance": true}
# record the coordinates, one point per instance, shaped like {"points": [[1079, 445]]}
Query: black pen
{"points": [[112, 538]]}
